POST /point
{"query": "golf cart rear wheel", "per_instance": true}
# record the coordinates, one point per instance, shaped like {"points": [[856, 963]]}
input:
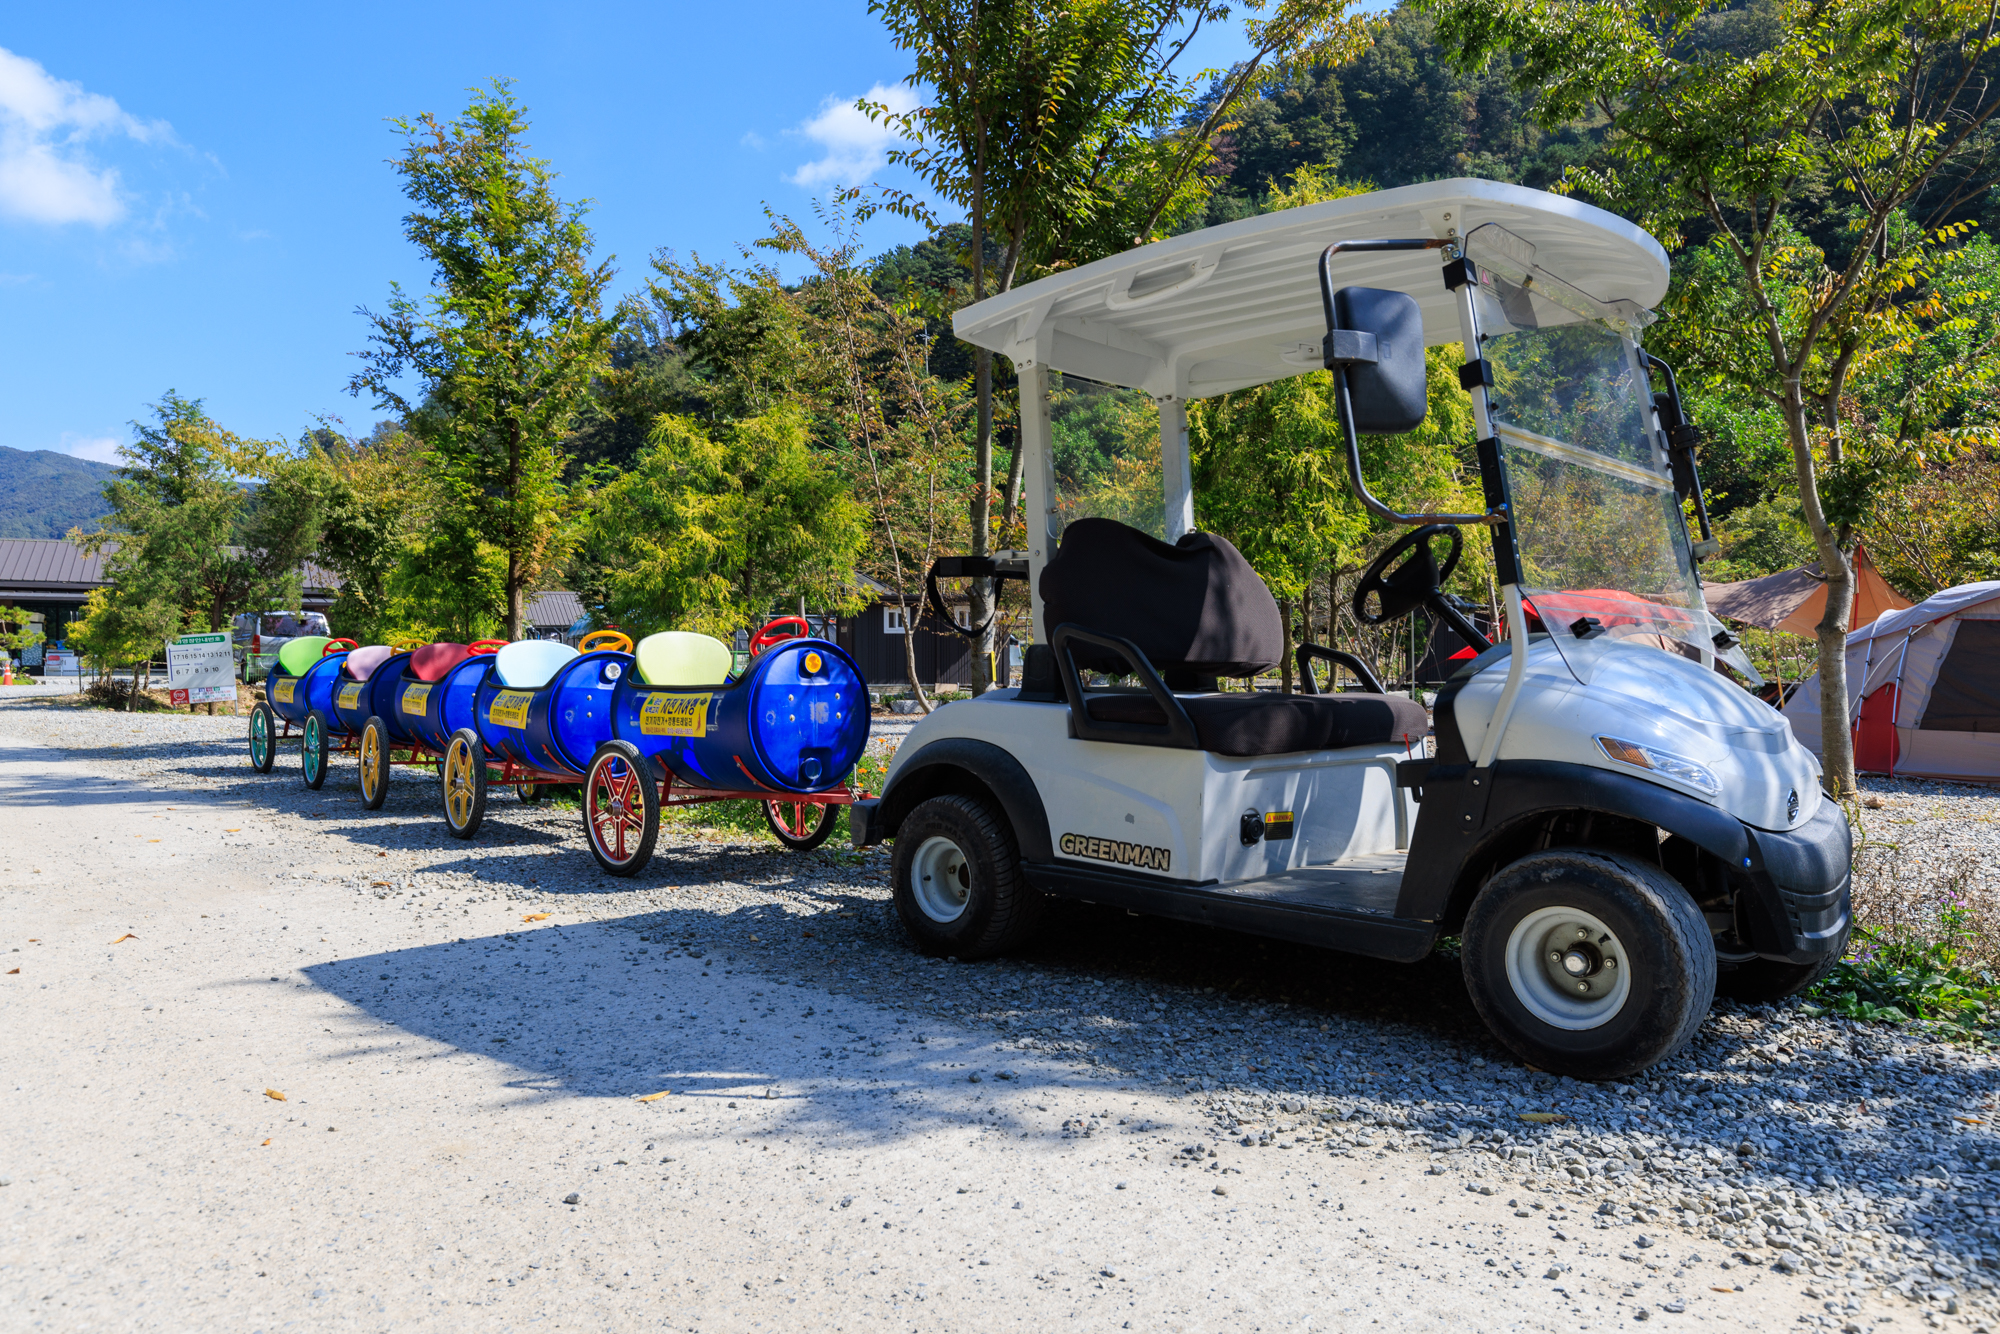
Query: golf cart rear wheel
{"points": [[621, 808], [464, 783], [1589, 964], [313, 750], [374, 764], [799, 825], [957, 880], [263, 738], [1763, 981]]}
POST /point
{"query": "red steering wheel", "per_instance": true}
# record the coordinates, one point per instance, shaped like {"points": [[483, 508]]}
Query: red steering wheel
{"points": [[334, 646], [764, 638]]}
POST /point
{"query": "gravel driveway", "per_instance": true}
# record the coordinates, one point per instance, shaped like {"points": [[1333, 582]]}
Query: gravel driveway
{"points": [[1136, 1121]]}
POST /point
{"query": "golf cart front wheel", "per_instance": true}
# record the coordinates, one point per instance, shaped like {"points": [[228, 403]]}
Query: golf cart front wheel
{"points": [[799, 825], [621, 808], [374, 764], [313, 749], [263, 738], [1589, 964], [464, 783], [957, 880]]}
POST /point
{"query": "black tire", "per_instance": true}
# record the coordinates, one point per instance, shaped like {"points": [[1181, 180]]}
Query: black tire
{"points": [[957, 880], [1617, 1022], [621, 808], [374, 764], [263, 738], [799, 825], [464, 784], [529, 793], [313, 750], [1767, 981]]}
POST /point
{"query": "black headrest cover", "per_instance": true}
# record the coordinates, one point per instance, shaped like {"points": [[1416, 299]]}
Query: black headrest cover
{"points": [[1195, 606]]}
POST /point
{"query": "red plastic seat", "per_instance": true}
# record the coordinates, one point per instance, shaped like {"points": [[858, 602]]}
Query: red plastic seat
{"points": [[432, 661]]}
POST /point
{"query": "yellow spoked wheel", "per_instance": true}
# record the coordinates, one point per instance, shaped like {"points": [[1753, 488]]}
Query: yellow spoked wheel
{"points": [[374, 764], [464, 783]]}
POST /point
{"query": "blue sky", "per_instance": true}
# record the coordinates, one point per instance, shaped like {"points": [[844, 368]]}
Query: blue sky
{"points": [[197, 197]]}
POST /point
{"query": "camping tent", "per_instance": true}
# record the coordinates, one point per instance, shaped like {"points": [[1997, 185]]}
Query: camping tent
{"points": [[1794, 600], [1923, 689]]}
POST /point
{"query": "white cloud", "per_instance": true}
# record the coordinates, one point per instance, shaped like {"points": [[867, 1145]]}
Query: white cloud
{"points": [[856, 146], [46, 174], [96, 448]]}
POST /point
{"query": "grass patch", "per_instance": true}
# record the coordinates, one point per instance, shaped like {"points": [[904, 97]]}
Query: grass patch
{"points": [[1924, 948]]}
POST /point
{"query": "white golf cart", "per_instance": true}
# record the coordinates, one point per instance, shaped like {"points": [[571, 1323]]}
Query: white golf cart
{"points": [[1616, 828]]}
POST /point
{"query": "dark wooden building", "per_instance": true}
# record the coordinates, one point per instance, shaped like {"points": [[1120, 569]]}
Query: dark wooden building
{"points": [[876, 636]]}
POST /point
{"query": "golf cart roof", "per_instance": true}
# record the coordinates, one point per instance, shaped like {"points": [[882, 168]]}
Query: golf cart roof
{"points": [[1239, 305]]}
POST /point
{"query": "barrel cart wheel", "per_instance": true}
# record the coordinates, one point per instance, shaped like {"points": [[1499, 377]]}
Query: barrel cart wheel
{"points": [[530, 793], [313, 751], [621, 808], [464, 783], [263, 739], [799, 825], [374, 764]]}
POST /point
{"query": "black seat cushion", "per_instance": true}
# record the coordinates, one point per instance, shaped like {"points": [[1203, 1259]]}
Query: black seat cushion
{"points": [[1195, 606], [1267, 724]]}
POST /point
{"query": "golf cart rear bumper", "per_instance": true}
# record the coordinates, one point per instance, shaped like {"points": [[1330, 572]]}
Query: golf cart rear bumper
{"points": [[1801, 882]]}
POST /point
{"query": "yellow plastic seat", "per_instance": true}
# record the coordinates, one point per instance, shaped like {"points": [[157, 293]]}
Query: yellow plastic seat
{"points": [[683, 658]]}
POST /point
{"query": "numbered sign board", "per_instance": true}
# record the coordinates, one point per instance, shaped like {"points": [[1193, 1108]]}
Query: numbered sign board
{"points": [[201, 669]]}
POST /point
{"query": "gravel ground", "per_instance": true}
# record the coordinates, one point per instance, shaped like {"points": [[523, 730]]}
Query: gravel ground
{"points": [[1781, 1170]]}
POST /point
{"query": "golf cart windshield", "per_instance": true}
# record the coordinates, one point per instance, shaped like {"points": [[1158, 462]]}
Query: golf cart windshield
{"points": [[1596, 520]]}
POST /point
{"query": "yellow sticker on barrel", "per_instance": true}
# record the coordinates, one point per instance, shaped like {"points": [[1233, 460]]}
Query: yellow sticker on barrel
{"points": [[286, 689], [674, 715], [814, 662], [350, 695], [510, 708], [417, 699]]}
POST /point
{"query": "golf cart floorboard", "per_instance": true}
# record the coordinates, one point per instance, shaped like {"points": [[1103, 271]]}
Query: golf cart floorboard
{"points": [[1349, 906]]}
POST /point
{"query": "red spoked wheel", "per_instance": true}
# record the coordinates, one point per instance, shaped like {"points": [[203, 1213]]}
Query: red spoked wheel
{"points": [[799, 825], [621, 808], [766, 637]]}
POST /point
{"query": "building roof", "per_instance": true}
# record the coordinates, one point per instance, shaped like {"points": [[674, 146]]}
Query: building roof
{"points": [[555, 609], [44, 568], [1238, 305]]}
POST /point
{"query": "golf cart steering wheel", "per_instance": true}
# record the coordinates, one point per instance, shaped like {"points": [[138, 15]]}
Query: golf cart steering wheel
{"points": [[1413, 581], [766, 637]]}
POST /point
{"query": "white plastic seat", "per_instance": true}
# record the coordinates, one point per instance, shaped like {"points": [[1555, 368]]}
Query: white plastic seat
{"points": [[530, 662], [683, 658]]}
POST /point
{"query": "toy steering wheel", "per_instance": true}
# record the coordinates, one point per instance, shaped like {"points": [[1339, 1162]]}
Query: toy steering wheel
{"points": [[614, 640], [479, 646], [407, 645], [1413, 581], [764, 638], [333, 646]]}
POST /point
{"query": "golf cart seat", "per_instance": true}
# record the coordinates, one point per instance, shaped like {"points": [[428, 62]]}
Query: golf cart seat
{"points": [[1197, 611]]}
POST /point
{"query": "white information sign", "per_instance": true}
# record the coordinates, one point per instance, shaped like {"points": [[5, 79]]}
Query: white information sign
{"points": [[201, 669], [59, 662]]}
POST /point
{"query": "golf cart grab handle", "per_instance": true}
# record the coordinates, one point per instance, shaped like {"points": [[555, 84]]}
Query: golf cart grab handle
{"points": [[970, 567], [1339, 658], [1176, 732], [1354, 349]]}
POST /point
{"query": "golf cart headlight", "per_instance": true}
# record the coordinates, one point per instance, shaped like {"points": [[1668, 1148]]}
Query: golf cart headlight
{"points": [[1660, 762]]}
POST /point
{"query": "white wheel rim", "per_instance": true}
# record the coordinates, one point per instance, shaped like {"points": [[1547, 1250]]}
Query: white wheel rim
{"points": [[940, 879], [1568, 969]]}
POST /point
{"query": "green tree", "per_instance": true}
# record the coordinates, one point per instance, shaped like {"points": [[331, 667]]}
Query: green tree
{"points": [[1858, 106], [505, 346], [205, 521], [17, 632], [717, 525], [124, 626]]}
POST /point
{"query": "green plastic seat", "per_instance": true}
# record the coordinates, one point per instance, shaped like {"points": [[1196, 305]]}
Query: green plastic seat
{"points": [[683, 658], [301, 653]]}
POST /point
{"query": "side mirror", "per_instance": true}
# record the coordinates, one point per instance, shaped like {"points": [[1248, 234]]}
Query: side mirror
{"points": [[1377, 338]]}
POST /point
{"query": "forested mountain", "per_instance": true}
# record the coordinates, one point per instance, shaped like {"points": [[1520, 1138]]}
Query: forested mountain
{"points": [[45, 494]]}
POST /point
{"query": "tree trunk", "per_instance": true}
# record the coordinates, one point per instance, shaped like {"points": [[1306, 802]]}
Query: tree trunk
{"points": [[1285, 667], [910, 651], [514, 609], [513, 535], [1835, 727]]}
